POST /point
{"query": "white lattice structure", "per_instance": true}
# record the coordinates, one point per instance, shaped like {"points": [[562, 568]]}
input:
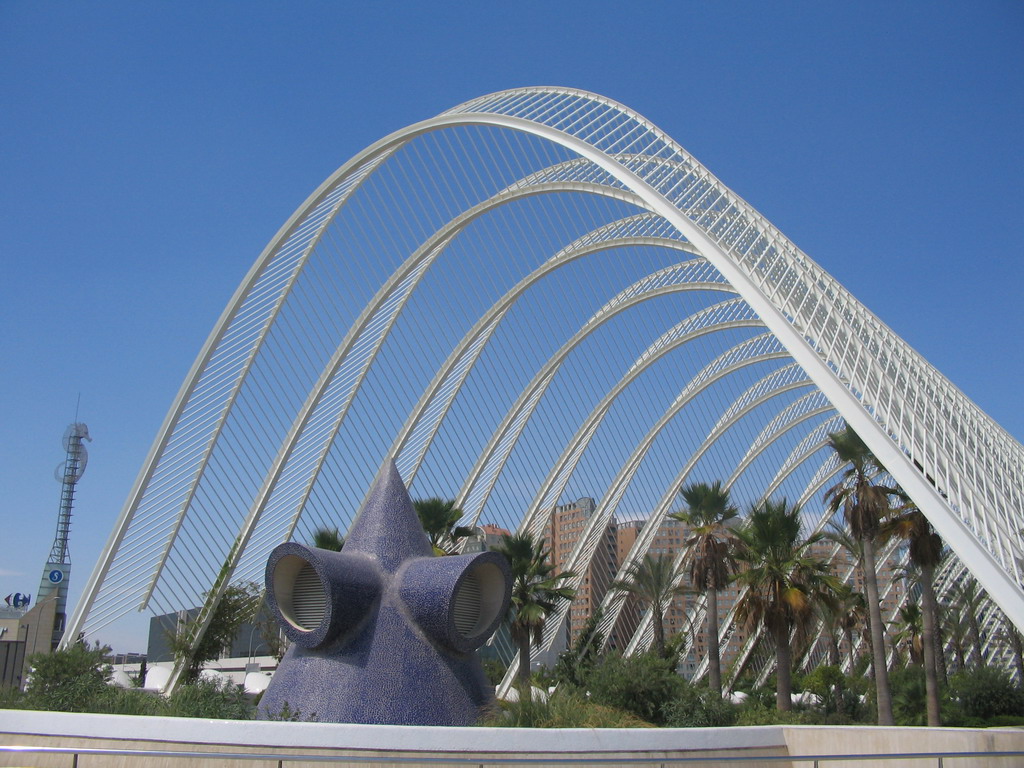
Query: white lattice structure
{"points": [[537, 295]]}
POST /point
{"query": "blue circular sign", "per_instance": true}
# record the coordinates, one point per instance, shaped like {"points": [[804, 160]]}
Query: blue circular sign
{"points": [[56, 576]]}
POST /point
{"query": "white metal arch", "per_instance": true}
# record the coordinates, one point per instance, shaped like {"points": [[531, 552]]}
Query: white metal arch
{"points": [[747, 353], [788, 419], [962, 469], [390, 299], [506, 434], [477, 337], [557, 478], [755, 350]]}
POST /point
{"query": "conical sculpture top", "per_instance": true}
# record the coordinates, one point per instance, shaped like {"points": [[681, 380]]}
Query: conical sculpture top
{"points": [[383, 632]]}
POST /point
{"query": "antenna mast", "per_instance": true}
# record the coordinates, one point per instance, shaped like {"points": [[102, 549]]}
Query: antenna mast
{"points": [[54, 583]]}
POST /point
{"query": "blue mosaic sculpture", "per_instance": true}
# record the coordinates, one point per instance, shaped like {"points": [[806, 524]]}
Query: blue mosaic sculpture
{"points": [[384, 631]]}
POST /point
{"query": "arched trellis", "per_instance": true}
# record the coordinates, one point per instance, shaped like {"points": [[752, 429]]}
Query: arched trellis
{"points": [[788, 419], [242, 454]]}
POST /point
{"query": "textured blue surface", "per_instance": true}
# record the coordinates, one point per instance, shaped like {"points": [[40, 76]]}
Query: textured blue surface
{"points": [[387, 651], [351, 580]]}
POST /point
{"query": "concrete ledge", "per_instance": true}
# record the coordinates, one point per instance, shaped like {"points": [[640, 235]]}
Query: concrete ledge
{"points": [[409, 745], [397, 738]]}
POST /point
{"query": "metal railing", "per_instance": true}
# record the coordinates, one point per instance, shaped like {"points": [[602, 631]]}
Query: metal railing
{"points": [[281, 760]]}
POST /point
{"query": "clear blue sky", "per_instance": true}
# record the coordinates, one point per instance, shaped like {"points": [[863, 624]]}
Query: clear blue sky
{"points": [[149, 150]]}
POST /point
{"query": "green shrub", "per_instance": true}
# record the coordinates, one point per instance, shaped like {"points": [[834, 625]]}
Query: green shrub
{"points": [[131, 701], [986, 692], [576, 662], [909, 697], [12, 698], [565, 708], [76, 680], [69, 680], [643, 685], [1005, 721], [840, 703], [758, 695], [495, 670], [699, 707], [289, 715], [755, 714], [211, 700]]}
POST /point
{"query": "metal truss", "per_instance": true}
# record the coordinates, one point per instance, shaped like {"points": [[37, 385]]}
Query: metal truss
{"points": [[521, 300]]}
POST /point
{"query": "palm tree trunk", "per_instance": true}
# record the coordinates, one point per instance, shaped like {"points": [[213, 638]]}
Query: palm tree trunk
{"points": [[961, 662], [523, 673], [931, 675], [783, 669], [1018, 652], [883, 695], [659, 631], [835, 659], [940, 649], [972, 618], [714, 657], [848, 634], [833, 649]]}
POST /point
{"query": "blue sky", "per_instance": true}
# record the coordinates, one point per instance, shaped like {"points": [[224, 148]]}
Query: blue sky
{"points": [[149, 150]]}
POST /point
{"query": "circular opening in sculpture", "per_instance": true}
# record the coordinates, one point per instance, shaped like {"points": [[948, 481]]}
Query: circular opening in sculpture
{"points": [[477, 600], [300, 593]]}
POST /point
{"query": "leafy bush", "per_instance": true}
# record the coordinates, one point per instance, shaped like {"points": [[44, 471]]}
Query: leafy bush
{"points": [[832, 687], [69, 680], [12, 698], [495, 670], [130, 701], [699, 707], [77, 680], [758, 695], [909, 697], [986, 692], [643, 684], [211, 700], [756, 714], [288, 715], [236, 606], [1005, 721], [576, 663], [563, 709]]}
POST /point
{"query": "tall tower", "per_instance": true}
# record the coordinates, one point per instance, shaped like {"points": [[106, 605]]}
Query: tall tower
{"points": [[58, 567]]}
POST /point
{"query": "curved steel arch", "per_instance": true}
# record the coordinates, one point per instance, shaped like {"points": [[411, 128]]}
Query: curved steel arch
{"points": [[787, 419], [389, 300], [962, 469], [477, 337], [762, 268], [506, 434], [749, 352], [402, 282], [586, 546], [558, 476]]}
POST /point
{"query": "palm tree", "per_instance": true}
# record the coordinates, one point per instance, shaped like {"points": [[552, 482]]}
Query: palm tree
{"points": [[968, 600], [708, 512], [440, 518], [536, 590], [328, 538], [955, 624], [841, 615], [651, 581], [850, 606], [911, 632], [925, 551], [864, 505], [852, 611], [784, 582], [1016, 643]]}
